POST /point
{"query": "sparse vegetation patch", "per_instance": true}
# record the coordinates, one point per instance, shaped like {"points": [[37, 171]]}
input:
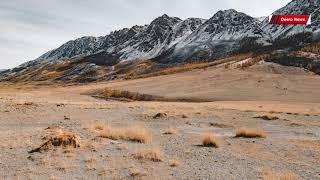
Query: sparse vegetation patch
{"points": [[174, 163], [63, 140], [209, 140], [123, 95], [135, 133], [170, 131], [250, 133], [153, 154], [266, 117]]}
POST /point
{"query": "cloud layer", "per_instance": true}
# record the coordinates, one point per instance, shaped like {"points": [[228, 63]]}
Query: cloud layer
{"points": [[30, 28]]}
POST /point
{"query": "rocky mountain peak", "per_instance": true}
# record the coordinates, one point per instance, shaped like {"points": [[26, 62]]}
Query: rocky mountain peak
{"points": [[172, 40], [165, 21], [227, 19], [300, 7]]}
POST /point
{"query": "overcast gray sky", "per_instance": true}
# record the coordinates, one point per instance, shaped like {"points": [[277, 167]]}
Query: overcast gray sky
{"points": [[29, 28]]}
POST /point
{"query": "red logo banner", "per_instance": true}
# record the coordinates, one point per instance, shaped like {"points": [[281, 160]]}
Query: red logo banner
{"points": [[290, 19]]}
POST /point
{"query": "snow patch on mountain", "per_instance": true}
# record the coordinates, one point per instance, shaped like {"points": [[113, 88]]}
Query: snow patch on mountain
{"points": [[295, 7]]}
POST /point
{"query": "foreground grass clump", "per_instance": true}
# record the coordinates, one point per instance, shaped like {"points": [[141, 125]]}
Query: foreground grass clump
{"points": [[174, 163], [250, 133], [63, 140], [266, 117], [124, 95], [153, 154], [209, 140], [99, 126], [127, 95], [134, 133], [135, 172], [170, 131]]}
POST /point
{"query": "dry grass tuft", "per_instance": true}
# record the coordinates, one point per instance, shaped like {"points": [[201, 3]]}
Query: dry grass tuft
{"points": [[135, 172], [54, 127], [126, 95], [188, 152], [160, 115], [153, 154], [99, 126], [135, 133], [174, 163], [250, 133], [90, 160], [184, 116], [209, 140], [271, 175], [296, 123], [313, 48], [123, 95], [170, 131], [267, 117], [63, 140], [28, 103], [122, 147], [219, 125]]}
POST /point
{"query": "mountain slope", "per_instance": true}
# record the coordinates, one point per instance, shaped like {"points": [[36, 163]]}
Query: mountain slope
{"points": [[168, 41], [218, 36], [297, 7]]}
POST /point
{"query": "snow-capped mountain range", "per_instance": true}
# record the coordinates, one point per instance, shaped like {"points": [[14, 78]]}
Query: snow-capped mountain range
{"points": [[297, 7], [172, 40]]}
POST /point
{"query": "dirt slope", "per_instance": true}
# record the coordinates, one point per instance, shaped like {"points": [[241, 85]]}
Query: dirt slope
{"points": [[267, 82]]}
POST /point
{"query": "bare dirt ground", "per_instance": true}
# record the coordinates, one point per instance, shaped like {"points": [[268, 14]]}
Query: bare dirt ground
{"points": [[290, 150]]}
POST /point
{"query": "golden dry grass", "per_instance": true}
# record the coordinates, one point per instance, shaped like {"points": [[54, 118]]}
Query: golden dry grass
{"points": [[297, 123], [99, 126], [174, 163], [266, 117], [123, 95], [122, 147], [170, 131], [50, 75], [54, 127], [313, 48], [188, 152], [192, 66], [91, 159], [271, 175], [250, 133], [62, 140], [209, 140], [107, 93], [135, 133], [135, 172], [153, 154]]}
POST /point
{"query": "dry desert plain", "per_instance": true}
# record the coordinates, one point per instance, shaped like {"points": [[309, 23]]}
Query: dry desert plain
{"points": [[273, 110]]}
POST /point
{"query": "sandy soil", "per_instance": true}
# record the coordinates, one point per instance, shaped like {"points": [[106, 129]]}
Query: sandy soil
{"points": [[291, 148]]}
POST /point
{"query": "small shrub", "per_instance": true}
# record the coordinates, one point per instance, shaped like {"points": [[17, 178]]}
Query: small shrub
{"points": [[160, 115], [54, 127], [250, 133], [174, 163], [170, 131], [99, 126], [209, 140], [153, 154], [63, 140], [135, 133], [135, 172], [267, 117]]}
